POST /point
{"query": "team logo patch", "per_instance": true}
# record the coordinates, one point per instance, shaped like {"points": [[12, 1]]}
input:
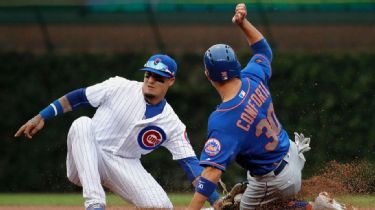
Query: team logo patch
{"points": [[212, 147], [151, 137], [157, 60], [242, 94]]}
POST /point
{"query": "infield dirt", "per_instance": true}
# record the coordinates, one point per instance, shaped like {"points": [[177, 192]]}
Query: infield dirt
{"points": [[81, 208], [68, 208]]}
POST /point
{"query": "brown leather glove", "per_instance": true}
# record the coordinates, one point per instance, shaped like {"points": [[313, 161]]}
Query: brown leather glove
{"points": [[232, 200]]}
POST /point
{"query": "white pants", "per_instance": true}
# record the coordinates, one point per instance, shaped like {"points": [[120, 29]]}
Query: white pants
{"points": [[267, 188], [92, 168]]}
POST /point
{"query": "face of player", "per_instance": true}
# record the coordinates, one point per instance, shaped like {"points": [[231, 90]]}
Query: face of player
{"points": [[155, 87]]}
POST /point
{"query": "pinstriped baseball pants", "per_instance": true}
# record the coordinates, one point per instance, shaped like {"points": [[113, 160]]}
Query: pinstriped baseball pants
{"points": [[92, 168]]}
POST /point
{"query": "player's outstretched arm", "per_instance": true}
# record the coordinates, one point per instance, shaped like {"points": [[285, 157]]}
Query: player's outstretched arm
{"points": [[68, 102], [31, 127], [255, 39], [206, 185], [239, 18], [35, 124], [194, 170]]}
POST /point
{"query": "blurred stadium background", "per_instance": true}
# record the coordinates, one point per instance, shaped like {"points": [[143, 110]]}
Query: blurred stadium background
{"points": [[65, 26], [323, 82]]}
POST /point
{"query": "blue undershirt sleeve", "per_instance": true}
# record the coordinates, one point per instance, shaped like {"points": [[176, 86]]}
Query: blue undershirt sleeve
{"points": [[77, 98], [262, 47], [193, 169], [260, 63]]}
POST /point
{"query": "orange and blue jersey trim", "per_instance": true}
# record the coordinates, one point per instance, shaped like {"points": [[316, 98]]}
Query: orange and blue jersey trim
{"points": [[216, 165], [243, 99], [267, 60]]}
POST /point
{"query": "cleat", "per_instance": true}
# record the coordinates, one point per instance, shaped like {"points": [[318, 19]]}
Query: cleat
{"points": [[325, 202], [296, 204], [96, 206]]}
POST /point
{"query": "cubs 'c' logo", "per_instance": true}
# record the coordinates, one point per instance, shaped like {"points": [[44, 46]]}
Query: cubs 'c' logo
{"points": [[212, 147], [156, 61], [151, 137]]}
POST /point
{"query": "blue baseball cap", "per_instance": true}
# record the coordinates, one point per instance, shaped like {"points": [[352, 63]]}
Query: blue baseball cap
{"points": [[161, 64]]}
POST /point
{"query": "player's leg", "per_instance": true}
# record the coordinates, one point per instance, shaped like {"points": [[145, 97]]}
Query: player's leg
{"points": [[84, 162], [129, 179], [258, 192], [270, 188]]}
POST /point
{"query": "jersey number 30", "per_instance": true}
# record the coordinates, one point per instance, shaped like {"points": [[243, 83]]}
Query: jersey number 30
{"points": [[270, 127]]}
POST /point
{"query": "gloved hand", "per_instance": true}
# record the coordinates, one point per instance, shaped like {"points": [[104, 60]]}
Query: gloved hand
{"points": [[303, 144], [232, 200]]}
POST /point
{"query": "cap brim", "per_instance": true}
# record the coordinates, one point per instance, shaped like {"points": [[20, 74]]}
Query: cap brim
{"points": [[163, 74]]}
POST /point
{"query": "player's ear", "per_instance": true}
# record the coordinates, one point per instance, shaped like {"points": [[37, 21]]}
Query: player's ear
{"points": [[171, 81], [206, 73]]}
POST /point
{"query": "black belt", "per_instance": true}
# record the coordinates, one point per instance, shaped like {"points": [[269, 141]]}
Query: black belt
{"points": [[277, 170], [280, 168]]}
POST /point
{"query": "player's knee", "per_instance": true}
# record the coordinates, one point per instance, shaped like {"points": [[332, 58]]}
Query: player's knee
{"points": [[78, 125], [167, 205], [73, 178], [81, 121]]}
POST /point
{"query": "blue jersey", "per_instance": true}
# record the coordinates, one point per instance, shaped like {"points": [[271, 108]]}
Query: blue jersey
{"points": [[245, 128]]}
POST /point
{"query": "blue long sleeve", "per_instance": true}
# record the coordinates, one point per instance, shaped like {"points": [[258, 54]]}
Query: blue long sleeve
{"points": [[77, 98], [262, 47]]}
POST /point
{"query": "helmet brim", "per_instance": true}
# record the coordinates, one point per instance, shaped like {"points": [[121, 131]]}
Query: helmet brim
{"points": [[161, 73]]}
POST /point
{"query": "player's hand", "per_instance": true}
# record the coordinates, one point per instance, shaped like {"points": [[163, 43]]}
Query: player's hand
{"points": [[31, 127], [303, 144], [218, 204], [240, 14]]}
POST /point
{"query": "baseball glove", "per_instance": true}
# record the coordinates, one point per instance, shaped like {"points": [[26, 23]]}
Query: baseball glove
{"points": [[232, 199]]}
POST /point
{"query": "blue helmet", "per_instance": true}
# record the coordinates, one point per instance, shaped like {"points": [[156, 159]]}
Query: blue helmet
{"points": [[221, 63]]}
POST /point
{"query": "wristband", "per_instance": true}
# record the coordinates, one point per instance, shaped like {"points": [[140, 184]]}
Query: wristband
{"points": [[205, 187], [52, 110]]}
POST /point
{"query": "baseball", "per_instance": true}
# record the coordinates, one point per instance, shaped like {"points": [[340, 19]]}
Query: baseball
{"points": [[237, 198]]}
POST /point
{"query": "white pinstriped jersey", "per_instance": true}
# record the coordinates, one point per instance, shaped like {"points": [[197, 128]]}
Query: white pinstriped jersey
{"points": [[119, 124]]}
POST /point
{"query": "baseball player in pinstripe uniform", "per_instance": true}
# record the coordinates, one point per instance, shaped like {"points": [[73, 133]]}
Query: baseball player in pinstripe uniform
{"points": [[131, 119], [244, 127]]}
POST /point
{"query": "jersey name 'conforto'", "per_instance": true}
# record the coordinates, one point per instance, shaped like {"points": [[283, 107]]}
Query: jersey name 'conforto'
{"points": [[250, 112]]}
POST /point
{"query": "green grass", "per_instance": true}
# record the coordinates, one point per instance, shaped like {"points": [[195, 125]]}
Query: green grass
{"points": [[362, 201], [28, 199], [40, 199]]}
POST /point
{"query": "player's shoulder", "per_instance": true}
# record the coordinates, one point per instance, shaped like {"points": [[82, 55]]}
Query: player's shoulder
{"points": [[121, 82], [169, 111]]}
